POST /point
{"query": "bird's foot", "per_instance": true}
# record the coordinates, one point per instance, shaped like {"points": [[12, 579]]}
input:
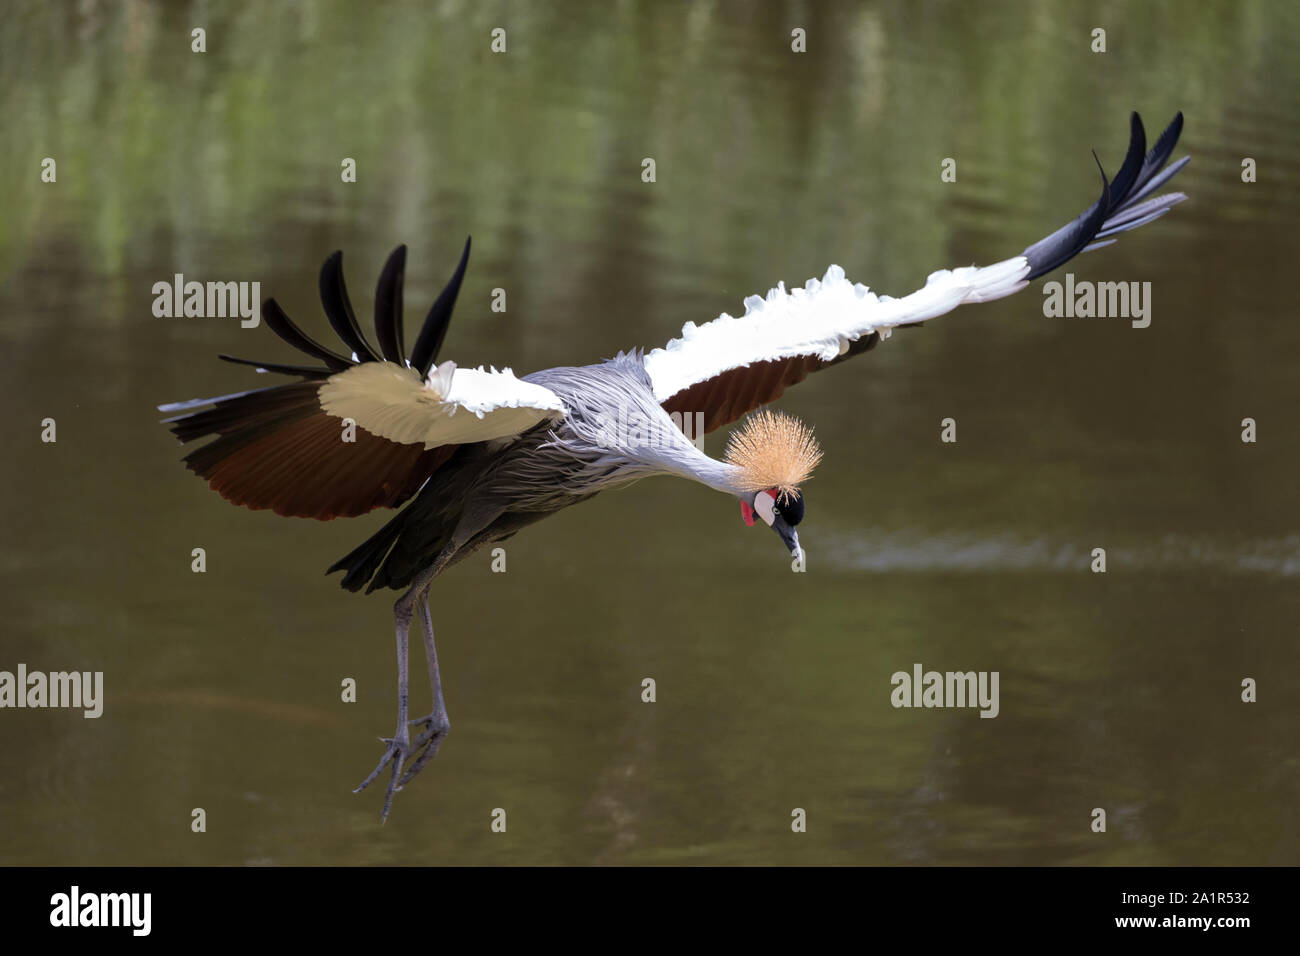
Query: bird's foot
{"points": [[399, 749], [436, 727]]}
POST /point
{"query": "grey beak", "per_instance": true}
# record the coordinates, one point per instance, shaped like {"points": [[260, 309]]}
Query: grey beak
{"points": [[787, 534]]}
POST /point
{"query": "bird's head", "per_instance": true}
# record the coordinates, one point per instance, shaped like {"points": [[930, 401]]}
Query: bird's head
{"points": [[773, 455]]}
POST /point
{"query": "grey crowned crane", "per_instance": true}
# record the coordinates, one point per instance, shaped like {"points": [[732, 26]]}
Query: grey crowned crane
{"points": [[476, 455]]}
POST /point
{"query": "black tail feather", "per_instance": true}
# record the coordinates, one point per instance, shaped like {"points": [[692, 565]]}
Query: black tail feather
{"points": [[363, 561]]}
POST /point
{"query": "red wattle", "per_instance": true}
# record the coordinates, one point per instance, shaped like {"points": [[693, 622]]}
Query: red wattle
{"points": [[747, 513]]}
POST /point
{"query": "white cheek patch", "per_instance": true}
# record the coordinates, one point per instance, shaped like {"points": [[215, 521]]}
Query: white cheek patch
{"points": [[765, 505]]}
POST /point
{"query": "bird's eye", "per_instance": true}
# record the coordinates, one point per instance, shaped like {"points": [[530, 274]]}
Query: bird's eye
{"points": [[792, 510]]}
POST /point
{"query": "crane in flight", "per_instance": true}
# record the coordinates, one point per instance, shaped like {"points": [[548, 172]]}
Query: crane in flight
{"points": [[478, 454]]}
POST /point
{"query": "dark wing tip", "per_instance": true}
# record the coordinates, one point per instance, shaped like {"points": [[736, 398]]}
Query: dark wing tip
{"points": [[388, 320], [279, 322], [429, 342], [1118, 209], [1128, 173], [1068, 241], [388, 306], [338, 308]]}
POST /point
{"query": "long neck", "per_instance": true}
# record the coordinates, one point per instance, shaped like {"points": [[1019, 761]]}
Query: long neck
{"points": [[677, 455], [615, 421]]}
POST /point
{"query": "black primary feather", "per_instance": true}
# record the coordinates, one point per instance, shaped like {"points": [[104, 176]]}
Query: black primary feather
{"points": [[338, 308], [388, 321], [1123, 208], [283, 326], [280, 368], [1133, 212], [1133, 162], [429, 342], [1156, 159], [388, 306], [1066, 243]]}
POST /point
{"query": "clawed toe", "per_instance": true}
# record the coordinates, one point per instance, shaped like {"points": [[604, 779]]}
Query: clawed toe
{"points": [[398, 749], [426, 746], [435, 725]]}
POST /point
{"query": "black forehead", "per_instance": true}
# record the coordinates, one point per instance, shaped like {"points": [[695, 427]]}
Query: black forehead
{"points": [[791, 508]]}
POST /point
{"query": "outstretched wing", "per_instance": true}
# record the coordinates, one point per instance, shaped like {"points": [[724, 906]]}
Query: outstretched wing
{"points": [[732, 365], [286, 447]]}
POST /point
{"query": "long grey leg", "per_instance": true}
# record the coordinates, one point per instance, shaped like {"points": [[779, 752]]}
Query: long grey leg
{"points": [[399, 745], [437, 725]]}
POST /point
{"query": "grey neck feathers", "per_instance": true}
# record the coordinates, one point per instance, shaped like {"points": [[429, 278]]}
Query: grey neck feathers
{"points": [[614, 425]]}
